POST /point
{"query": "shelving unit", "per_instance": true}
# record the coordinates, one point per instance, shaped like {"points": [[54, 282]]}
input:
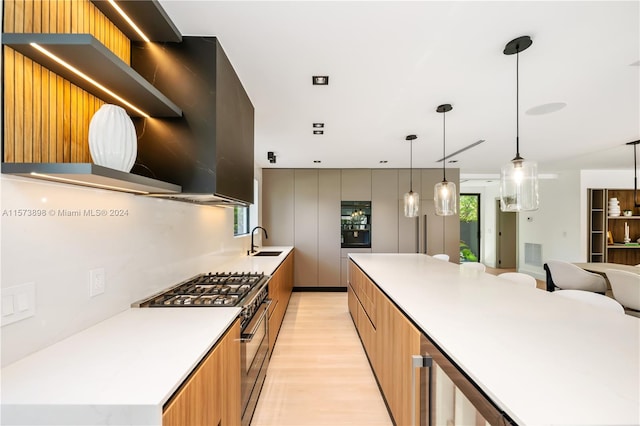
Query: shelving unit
{"points": [[148, 15], [601, 225], [85, 53], [92, 175], [597, 225]]}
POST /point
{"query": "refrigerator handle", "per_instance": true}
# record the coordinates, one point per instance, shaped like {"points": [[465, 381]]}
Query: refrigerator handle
{"points": [[424, 231], [417, 361], [417, 234]]}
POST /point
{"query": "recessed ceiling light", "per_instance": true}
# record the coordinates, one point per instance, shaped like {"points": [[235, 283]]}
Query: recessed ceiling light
{"points": [[318, 125], [318, 132], [320, 80], [383, 161], [546, 108], [317, 161]]}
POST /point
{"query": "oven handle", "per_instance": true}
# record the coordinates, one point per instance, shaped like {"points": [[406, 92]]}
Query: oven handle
{"points": [[248, 337]]}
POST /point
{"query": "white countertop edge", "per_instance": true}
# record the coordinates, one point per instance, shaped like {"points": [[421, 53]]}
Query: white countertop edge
{"points": [[80, 415]]}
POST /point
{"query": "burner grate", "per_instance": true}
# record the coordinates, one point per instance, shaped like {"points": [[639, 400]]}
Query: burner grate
{"points": [[211, 289]]}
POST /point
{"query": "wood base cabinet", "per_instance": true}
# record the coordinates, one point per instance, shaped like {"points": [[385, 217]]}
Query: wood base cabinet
{"points": [[437, 394], [211, 394], [390, 341], [280, 287]]}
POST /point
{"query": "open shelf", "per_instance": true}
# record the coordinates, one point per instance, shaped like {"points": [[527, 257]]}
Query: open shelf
{"points": [[92, 175], [148, 15], [88, 55]]}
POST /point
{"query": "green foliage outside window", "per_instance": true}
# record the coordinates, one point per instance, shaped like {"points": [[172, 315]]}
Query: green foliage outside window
{"points": [[240, 220], [468, 208], [468, 213]]}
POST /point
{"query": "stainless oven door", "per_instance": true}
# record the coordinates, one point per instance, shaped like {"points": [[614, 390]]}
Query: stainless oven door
{"points": [[254, 349]]}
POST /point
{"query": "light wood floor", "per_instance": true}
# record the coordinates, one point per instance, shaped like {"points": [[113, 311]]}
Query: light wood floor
{"points": [[319, 373]]}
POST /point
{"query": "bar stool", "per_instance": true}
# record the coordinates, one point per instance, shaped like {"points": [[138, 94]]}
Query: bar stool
{"points": [[519, 278], [567, 276], [594, 299], [626, 290]]}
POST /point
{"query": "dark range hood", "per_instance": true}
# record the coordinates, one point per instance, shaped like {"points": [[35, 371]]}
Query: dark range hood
{"points": [[209, 150]]}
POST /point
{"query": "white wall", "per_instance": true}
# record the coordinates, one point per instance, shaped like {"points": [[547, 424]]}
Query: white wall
{"points": [[158, 243], [560, 225], [556, 225]]}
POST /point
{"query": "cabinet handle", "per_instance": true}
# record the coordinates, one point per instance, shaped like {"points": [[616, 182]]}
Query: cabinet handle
{"points": [[256, 323], [417, 235], [424, 230], [418, 361]]}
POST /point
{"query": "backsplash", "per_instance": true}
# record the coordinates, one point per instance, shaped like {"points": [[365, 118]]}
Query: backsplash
{"points": [[53, 235]]}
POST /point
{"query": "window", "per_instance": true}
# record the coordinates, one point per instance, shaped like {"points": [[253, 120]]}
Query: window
{"points": [[245, 218], [240, 220]]}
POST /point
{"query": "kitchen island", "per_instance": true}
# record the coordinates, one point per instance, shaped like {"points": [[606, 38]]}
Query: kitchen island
{"points": [[537, 358], [122, 370]]}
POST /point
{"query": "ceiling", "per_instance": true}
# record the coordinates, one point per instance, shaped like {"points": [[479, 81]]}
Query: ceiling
{"points": [[392, 63]]}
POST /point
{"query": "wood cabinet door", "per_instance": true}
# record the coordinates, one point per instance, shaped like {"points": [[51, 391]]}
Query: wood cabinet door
{"points": [[196, 403], [211, 394], [306, 228], [356, 185], [398, 340], [277, 205], [329, 228], [384, 211], [228, 388], [280, 287]]}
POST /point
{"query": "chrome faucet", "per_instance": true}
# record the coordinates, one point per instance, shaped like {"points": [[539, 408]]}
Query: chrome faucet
{"points": [[253, 246]]}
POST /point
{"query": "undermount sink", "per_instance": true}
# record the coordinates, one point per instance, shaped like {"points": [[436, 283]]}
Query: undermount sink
{"points": [[268, 253]]}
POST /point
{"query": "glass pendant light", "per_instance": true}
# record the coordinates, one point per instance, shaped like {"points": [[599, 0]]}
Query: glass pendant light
{"points": [[444, 195], [411, 199], [518, 178]]}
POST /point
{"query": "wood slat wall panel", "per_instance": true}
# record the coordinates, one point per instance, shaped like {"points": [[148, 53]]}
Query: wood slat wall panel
{"points": [[9, 95], [9, 13], [46, 118], [18, 100]]}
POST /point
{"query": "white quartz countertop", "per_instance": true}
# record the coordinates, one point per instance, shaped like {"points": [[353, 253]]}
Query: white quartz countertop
{"points": [[543, 359], [121, 370]]}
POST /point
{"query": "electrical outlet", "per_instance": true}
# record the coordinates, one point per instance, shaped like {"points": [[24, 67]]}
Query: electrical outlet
{"points": [[96, 282]]}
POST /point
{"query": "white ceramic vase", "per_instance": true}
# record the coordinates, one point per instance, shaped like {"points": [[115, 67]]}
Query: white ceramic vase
{"points": [[112, 138]]}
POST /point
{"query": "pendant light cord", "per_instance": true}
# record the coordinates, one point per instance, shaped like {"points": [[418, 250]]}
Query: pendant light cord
{"points": [[518, 105], [411, 166], [444, 139]]}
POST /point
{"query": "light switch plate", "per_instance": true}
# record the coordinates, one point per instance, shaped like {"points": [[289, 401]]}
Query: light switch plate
{"points": [[96, 282], [18, 303]]}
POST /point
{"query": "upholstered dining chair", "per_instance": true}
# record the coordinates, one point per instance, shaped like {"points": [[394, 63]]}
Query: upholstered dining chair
{"points": [[567, 276], [441, 256], [519, 278], [476, 266], [598, 300], [626, 290]]}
